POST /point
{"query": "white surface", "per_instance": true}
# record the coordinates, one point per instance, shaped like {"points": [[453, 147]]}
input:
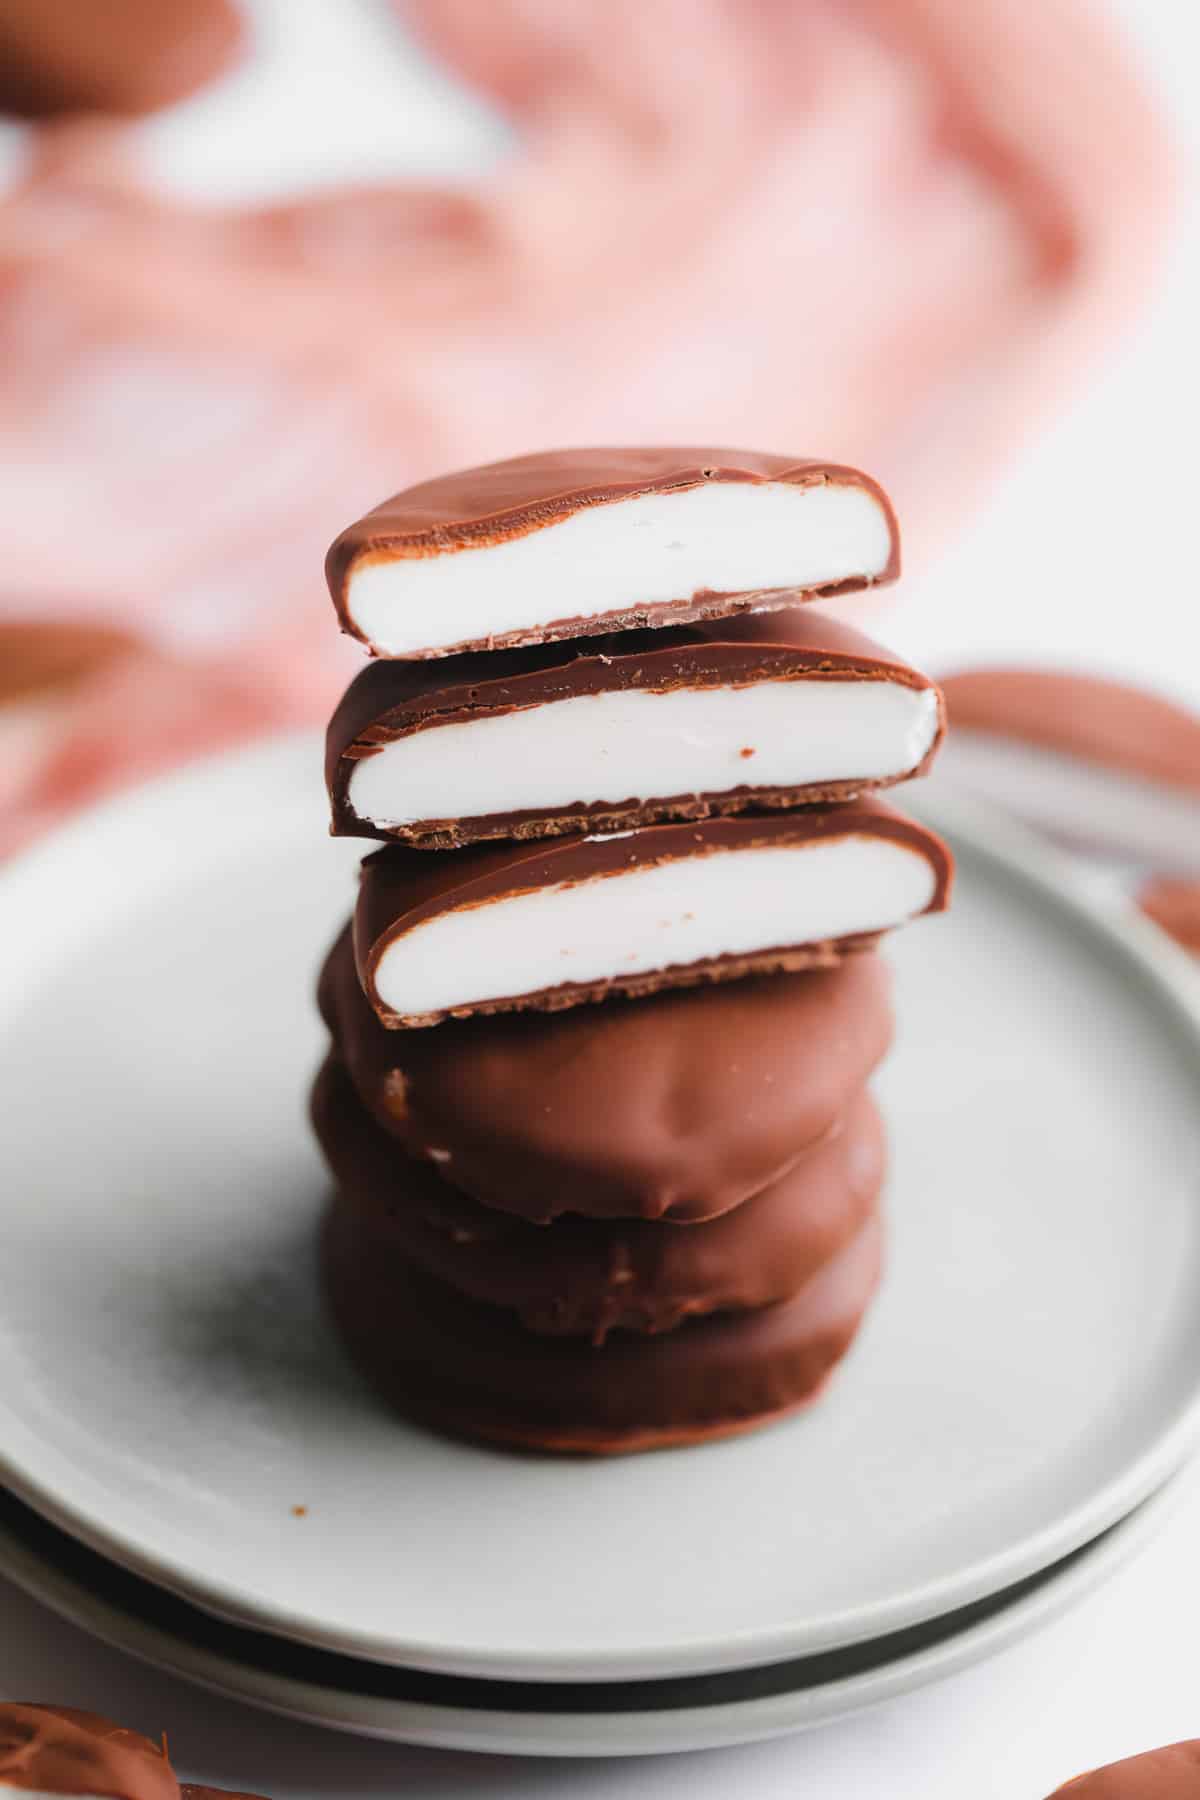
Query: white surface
{"points": [[727, 903], [171, 1388], [722, 537], [1116, 1676], [645, 744], [336, 1696]]}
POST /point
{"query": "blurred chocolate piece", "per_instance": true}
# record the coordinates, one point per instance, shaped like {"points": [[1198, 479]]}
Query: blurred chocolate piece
{"points": [[561, 544], [474, 1371], [499, 927], [1095, 764], [1174, 905], [765, 709], [111, 56], [587, 1277], [1098, 721], [60, 1750], [678, 1106], [39, 657], [1172, 1773]]}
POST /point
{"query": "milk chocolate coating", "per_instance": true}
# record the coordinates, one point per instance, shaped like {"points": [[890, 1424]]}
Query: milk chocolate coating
{"points": [[392, 699], [60, 1750], [504, 500], [401, 888], [587, 1277], [475, 1372], [1172, 1773], [1174, 905], [189, 1791], [679, 1106], [1106, 722], [114, 56]]}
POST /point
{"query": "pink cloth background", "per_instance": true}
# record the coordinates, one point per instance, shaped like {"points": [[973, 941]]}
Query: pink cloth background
{"points": [[891, 231]]}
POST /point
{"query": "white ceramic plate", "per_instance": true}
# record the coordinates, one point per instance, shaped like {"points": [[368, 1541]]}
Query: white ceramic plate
{"points": [[698, 1712], [169, 1391]]}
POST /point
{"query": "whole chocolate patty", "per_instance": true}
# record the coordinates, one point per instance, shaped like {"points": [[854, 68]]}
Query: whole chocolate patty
{"points": [[475, 1372], [680, 1105], [591, 1276]]}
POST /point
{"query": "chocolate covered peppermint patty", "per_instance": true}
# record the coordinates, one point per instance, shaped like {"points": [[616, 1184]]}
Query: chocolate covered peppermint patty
{"points": [[474, 1371], [587, 1277], [566, 543], [765, 709], [679, 1105], [499, 927]]}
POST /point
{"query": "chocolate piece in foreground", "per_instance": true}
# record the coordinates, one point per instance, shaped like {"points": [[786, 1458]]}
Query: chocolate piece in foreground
{"points": [[475, 1372], [587, 1277], [678, 1106], [569, 542], [765, 709], [547, 925], [115, 56], [1092, 763], [1172, 1773], [189, 1791], [60, 1750]]}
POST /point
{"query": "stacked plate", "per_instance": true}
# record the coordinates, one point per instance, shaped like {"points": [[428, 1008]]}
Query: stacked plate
{"points": [[195, 1473]]}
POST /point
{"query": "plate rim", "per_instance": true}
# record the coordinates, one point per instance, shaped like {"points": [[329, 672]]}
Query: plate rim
{"points": [[1161, 971], [716, 1724]]}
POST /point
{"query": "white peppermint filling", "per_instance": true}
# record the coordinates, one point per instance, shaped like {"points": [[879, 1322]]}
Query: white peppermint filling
{"points": [[1078, 802], [726, 903], [730, 537], [642, 746]]}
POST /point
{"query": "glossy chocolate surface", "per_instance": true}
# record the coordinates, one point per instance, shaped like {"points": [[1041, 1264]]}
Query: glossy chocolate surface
{"points": [[474, 1371], [680, 1105], [587, 1277]]}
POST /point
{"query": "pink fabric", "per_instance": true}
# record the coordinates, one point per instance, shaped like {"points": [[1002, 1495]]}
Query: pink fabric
{"points": [[884, 230]]}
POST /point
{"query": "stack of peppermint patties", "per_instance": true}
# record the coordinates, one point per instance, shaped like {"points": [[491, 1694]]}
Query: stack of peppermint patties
{"points": [[607, 1171]]}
